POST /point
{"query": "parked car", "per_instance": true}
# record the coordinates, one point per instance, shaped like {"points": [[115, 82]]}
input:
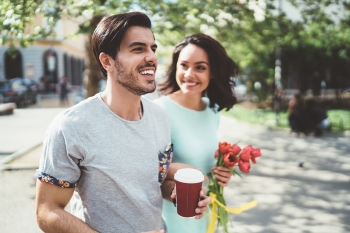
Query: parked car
{"points": [[346, 94], [22, 91], [240, 90]]}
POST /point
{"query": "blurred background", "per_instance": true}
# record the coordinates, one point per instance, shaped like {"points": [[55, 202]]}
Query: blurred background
{"points": [[282, 47], [294, 68]]}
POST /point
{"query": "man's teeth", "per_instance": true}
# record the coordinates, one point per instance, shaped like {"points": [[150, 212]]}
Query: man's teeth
{"points": [[147, 72]]}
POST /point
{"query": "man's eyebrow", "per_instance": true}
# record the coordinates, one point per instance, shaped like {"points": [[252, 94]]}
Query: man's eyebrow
{"points": [[136, 43]]}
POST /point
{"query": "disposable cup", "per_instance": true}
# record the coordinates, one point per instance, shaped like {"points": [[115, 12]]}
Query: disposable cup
{"points": [[188, 185]]}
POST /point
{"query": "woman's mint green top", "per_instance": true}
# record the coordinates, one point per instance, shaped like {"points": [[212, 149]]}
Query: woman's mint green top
{"points": [[194, 136]]}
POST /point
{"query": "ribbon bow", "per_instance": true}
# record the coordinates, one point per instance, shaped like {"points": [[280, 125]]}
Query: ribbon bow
{"points": [[214, 216]]}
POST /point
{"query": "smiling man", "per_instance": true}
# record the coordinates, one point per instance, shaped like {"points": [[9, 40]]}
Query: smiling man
{"points": [[105, 149]]}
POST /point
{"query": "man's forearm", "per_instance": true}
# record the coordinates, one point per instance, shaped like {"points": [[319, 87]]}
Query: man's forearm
{"points": [[167, 186], [169, 182], [59, 220]]}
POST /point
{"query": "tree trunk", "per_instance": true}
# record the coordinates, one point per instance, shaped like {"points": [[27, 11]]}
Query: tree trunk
{"points": [[92, 74]]}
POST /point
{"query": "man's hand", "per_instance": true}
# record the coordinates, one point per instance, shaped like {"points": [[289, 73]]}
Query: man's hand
{"points": [[202, 204], [223, 175]]}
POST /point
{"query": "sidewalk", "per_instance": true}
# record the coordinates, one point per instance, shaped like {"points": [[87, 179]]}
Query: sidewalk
{"points": [[314, 197], [23, 131]]}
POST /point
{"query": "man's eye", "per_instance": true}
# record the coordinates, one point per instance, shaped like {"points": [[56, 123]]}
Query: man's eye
{"points": [[137, 49]]}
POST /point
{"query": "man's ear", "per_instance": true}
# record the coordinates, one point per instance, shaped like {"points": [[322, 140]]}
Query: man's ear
{"points": [[106, 61]]}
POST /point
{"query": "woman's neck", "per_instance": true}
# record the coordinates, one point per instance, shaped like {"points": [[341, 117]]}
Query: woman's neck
{"points": [[193, 102]]}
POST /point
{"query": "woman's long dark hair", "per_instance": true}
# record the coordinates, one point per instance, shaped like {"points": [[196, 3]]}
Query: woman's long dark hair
{"points": [[222, 67]]}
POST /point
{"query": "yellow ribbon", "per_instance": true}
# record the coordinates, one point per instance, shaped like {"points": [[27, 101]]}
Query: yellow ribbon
{"points": [[214, 216]]}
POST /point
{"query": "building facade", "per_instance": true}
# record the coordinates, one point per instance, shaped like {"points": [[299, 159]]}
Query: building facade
{"points": [[47, 60]]}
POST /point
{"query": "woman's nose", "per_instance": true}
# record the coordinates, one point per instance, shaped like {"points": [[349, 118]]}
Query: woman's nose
{"points": [[188, 73]]}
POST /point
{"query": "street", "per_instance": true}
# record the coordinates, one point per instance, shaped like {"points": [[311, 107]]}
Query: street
{"points": [[302, 184], [312, 198]]}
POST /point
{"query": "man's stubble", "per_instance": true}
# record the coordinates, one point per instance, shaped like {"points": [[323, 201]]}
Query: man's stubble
{"points": [[130, 80]]}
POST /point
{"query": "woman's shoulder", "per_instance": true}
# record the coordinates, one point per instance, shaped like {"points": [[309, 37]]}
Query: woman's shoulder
{"points": [[155, 105], [207, 101], [161, 101]]}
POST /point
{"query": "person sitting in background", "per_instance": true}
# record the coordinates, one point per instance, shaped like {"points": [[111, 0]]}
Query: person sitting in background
{"points": [[297, 114], [319, 120], [307, 116]]}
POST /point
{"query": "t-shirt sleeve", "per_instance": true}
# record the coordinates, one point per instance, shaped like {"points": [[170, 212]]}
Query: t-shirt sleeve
{"points": [[59, 162]]}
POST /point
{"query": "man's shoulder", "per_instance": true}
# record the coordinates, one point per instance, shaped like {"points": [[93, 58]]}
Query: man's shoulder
{"points": [[79, 112]]}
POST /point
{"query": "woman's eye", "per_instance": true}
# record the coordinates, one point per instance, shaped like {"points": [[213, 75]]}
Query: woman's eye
{"points": [[200, 67]]}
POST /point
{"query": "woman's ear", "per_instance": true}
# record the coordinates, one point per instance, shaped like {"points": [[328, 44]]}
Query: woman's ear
{"points": [[106, 61]]}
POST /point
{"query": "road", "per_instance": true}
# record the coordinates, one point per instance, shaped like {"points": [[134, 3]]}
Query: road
{"points": [[313, 198]]}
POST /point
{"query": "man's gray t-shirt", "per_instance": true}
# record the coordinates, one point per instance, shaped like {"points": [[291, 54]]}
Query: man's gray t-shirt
{"points": [[113, 163]]}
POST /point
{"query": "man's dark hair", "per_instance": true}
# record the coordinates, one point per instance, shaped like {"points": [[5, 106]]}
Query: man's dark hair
{"points": [[110, 32], [223, 69]]}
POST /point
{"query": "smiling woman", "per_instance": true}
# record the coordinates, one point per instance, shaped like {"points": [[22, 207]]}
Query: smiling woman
{"points": [[198, 85]]}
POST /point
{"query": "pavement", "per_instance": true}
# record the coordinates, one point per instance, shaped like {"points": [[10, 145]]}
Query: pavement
{"points": [[302, 184]]}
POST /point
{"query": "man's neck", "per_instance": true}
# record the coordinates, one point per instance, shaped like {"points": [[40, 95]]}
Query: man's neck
{"points": [[122, 102]]}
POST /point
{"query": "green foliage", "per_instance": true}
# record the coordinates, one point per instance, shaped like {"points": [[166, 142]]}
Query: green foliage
{"points": [[17, 16], [250, 41]]}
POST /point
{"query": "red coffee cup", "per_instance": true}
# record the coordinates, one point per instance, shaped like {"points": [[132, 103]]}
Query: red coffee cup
{"points": [[188, 185]]}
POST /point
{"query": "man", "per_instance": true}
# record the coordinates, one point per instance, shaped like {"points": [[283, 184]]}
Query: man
{"points": [[106, 148], [63, 88]]}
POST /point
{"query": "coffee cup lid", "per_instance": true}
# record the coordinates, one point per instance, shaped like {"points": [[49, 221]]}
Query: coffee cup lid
{"points": [[189, 175]]}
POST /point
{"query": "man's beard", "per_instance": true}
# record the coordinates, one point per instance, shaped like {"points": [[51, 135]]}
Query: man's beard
{"points": [[130, 80]]}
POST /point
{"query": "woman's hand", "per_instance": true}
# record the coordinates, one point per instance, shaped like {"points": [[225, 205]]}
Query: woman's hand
{"points": [[202, 204], [223, 175]]}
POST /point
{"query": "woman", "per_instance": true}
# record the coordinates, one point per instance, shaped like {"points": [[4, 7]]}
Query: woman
{"points": [[199, 85]]}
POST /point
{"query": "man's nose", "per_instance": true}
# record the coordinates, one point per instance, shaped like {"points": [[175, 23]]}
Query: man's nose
{"points": [[151, 57]]}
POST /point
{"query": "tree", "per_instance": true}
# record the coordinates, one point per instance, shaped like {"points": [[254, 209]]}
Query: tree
{"points": [[248, 29], [18, 28]]}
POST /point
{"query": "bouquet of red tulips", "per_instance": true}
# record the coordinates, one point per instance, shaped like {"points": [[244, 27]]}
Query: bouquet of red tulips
{"points": [[229, 155]]}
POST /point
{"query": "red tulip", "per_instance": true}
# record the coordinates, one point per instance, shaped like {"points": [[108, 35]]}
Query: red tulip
{"points": [[224, 147], [255, 152], [235, 149], [245, 156], [230, 159], [244, 166], [216, 155], [247, 149]]}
